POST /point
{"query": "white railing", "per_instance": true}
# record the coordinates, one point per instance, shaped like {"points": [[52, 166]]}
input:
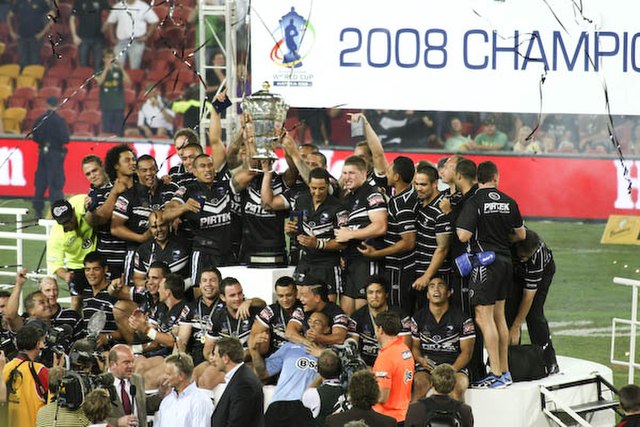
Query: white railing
{"points": [[633, 323], [19, 236]]}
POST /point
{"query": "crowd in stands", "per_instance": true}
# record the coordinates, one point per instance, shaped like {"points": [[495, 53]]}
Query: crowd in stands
{"points": [[391, 275], [59, 56]]}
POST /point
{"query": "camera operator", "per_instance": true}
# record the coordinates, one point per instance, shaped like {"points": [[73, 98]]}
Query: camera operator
{"points": [[129, 409], [27, 381], [55, 414]]}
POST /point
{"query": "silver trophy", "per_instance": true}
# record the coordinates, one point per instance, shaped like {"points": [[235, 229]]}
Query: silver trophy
{"points": [[268, 112]]}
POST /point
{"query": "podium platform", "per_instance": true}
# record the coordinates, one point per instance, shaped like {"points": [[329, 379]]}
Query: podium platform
{"points": [[257, 282], [520, 404]]}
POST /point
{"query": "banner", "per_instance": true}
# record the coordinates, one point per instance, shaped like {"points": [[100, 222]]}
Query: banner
{"points": [[546, 187], [451, 55]]}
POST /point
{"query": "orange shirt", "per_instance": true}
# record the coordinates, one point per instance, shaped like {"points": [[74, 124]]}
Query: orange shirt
{"points": [[394, 370]]}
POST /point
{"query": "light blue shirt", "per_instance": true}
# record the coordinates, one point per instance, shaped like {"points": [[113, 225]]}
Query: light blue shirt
{"points": [[191, 408], [297, 369]]}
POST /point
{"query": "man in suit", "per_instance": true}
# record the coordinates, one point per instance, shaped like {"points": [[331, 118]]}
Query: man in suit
{"points": [[242, 401], [131, 405]]}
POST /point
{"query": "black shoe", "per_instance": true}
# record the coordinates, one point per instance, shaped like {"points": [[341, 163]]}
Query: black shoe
{"points": [[553, 369]]}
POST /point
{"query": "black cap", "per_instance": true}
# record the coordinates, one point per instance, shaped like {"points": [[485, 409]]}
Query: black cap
{"points": [[52, 101], [62, 211]]}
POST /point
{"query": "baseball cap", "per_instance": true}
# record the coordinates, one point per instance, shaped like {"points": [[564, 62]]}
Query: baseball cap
{"points": [[62, 211], [52, 101]]}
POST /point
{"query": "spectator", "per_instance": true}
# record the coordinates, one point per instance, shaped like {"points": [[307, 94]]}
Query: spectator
{"points": [[363, 394], [112, 80], [33, 25], [444, 380], [51, 133], [86, 33], [215, 76], [630, 403], [131, 36], [27, 381], [155, 118], [525, 142], [490, 139], [456, 140], [549, 144], [562, 126], [96, 407]]}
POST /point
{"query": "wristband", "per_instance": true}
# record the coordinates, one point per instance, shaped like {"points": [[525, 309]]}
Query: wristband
{"points": [[152, 334], [321, 243], [137, 349]]}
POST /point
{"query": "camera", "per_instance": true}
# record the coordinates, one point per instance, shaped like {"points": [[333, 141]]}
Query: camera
{"points": [[350, 361], [76, 385]]}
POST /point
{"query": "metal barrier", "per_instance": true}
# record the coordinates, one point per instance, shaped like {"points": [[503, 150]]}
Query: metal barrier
{"points": [[19, 236], [633, 323]]}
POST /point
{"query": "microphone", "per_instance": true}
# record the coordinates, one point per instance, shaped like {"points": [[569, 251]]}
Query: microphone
{"points": [[132, 392]]}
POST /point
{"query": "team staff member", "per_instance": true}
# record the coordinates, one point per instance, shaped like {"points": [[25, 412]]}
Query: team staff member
{"points": [[319, 213], [393, 368], [367, 222], [534, 269], [27, 381], [71, 239], [489, 221]]}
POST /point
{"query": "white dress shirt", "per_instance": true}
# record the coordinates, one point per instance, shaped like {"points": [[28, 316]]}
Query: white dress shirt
{"points": [[191, 408]]}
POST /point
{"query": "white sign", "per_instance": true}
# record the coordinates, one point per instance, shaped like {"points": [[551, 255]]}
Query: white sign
{"points": [[452, 55]]}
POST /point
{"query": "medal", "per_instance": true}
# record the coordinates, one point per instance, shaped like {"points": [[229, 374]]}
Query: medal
{"points": [[203, 339]]}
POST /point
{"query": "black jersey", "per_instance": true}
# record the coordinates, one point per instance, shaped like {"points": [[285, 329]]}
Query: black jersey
{"points": [[180, 176], [262, 230], [334, 313], [321, 223], [276, 318], [401, 219], [364, 200], [490, 215], [165, 319], [112, 249], [199, 316], [135, 205], [223, 324], [531, 271], [174, 254], [66, 316], [211, 227], [380, 183], [440, 342], [457, 203], [430, 222], [102, 301], [362, 325]]}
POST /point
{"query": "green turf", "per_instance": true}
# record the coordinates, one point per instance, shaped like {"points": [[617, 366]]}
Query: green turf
{"points": [[582, 290]]}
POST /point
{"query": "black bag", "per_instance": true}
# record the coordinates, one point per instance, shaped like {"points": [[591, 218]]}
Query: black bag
{"points": [[442, 414], [526, 362]]}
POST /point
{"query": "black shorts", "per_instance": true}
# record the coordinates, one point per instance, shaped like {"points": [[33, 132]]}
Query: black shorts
{"points": [[401, 293], [329, 274], [356, 274], [201, 259], [491, 283]]}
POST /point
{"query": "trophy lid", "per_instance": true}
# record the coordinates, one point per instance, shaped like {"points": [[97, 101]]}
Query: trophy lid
{"points": [[264, 102]]}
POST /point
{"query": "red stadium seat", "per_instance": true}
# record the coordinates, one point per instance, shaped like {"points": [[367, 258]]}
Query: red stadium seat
{"points": [[50, 91], [68, 115]]}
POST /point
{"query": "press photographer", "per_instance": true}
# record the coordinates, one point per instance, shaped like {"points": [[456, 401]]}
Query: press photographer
{"points": [[27, 380]]}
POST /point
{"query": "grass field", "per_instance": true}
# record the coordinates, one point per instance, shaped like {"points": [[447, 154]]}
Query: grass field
{"points": [[582, 299]]}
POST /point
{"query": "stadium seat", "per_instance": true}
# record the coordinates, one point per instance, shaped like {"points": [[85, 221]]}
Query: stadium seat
{"points": [[68, 115], [136, 77], [39, 103], [32, 116], [5, 92], [35, 71], [55, 76], [75, 95], [50, 91], [93, 118], [6, 81], [11, 70], [25, 92], [27, 82], [12, 119], [18, 102], [129, 96], [83, 129], [91, 104]]}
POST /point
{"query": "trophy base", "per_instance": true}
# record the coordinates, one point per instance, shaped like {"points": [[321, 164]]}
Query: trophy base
{"points": [[265, 156]]}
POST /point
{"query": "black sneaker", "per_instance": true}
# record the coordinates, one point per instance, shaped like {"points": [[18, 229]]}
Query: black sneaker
{"points": [[553, 369]]}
